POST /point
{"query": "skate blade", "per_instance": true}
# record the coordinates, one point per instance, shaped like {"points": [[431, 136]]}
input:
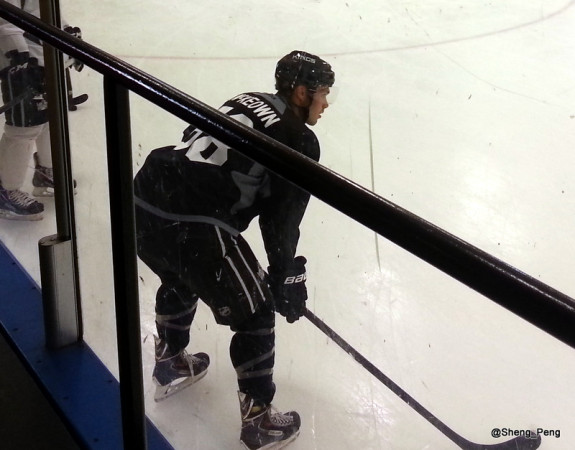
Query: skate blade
{"points": [[29, 217], [164, 392], [276, 445], [47, 192], [43, 192]]}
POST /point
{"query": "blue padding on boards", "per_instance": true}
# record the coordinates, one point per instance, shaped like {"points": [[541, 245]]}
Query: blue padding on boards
{"points": [[74, 380]]}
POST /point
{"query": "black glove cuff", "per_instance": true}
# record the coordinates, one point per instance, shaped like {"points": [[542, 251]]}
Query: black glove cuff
{"points": [[295, 267], [17, 58]]}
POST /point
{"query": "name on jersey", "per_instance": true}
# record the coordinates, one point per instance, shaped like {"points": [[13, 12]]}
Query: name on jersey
{"points": [[261, 109]]}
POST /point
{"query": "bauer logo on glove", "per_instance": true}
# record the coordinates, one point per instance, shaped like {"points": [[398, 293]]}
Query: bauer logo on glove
{"points": [[289, 290], [298, 279]]}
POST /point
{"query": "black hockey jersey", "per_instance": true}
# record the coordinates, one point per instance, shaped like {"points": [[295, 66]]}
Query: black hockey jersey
{"points": [[202, 180]]}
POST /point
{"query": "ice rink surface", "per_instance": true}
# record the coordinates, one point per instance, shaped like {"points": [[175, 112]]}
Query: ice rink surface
{"points": [[461, 112]]}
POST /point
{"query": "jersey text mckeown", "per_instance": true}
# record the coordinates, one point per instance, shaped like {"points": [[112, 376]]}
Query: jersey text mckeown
{"points": [[263, 111]]}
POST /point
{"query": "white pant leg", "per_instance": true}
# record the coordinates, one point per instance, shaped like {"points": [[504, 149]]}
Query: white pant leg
{"points": [[16, 147], [43, 147]]}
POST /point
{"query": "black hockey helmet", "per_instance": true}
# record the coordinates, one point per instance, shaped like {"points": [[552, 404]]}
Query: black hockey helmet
{"points": [[301, 68]]}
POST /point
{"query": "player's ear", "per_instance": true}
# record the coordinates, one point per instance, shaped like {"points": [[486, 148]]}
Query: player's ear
{"points": [[300, 96]]}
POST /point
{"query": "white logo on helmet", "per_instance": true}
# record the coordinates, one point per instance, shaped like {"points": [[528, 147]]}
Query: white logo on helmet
{"points": [[305, 58]]}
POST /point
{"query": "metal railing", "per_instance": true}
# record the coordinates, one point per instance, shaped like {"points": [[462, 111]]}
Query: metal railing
{"points": [[512, 289]]}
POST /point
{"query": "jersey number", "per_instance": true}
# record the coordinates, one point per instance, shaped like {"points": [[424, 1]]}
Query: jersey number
{"points": [[206, 149]]}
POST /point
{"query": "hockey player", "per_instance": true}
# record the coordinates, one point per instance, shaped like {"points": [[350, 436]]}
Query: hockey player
{"points": [[193, 202], [22, 80]]}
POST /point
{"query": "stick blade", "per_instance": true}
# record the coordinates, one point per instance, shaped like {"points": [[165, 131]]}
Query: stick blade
{"points": [[79, 99], [518, 443]]}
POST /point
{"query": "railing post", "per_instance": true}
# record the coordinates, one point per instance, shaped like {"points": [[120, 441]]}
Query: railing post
{"points": [[57, 253], [119, 147]]}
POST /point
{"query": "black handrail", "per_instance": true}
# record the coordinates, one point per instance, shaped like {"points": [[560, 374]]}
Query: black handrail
{"points": [[520, 293]]}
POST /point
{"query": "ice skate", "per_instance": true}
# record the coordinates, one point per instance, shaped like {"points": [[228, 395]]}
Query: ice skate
{"points": [[264, 429], [17, 205], [175, 373], [43, 180]]}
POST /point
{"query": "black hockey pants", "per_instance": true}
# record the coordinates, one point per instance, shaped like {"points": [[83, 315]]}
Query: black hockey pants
{"points": [[200, 261]]}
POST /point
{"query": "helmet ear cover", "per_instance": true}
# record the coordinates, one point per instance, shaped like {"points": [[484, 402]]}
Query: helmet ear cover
{"points": [[301, 68]]}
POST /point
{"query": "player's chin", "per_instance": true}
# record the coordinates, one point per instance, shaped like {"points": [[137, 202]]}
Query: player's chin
{"points": [[312, 120]]}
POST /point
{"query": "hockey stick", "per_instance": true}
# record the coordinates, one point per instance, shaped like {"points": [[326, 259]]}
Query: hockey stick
{"points": [[26, 95], [518, 443], [73, 102]]}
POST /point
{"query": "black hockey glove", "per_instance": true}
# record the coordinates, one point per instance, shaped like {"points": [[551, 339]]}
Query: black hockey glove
{"points": [[288, 288], [77, 33]]}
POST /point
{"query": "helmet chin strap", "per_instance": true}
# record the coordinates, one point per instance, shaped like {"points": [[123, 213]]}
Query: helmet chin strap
{"points": [[301, 111], [306, 108]]}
